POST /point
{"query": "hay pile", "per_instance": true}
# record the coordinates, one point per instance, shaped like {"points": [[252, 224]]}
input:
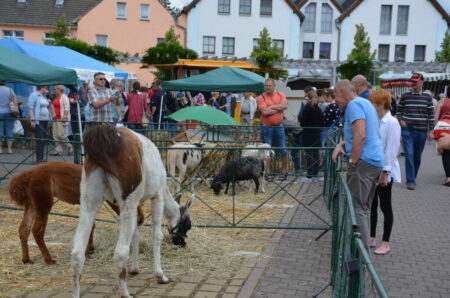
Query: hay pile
{"points": [[209, 250]]}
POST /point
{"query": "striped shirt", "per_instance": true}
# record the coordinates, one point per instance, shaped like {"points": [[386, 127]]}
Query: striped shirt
{"points": [[417, 111], [103, 113]]}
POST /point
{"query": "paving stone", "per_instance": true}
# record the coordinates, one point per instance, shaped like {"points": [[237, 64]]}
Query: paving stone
{"points": [[210, 288], [232, 289], [237, 282], [206, 295], [101, 289], [39, 295], [185, 286], [228, 295], [150, 292], [192, 278], [215, 281]]}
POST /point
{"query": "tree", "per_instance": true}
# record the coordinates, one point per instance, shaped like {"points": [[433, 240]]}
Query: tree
{"points": [[444, 54], [360, 60], [174, 11], [61, 38], [265, 53], [167, 52], [61, 31]]}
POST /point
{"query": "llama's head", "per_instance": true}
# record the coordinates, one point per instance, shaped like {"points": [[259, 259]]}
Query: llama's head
{"points": [[178, 233]]}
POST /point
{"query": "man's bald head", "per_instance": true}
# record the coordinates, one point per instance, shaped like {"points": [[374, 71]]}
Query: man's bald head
{"points": [[360, 83], [344, 92]]}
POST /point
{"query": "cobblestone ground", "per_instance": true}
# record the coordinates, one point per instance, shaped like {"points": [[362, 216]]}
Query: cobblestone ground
{"points": [[417, 266]]}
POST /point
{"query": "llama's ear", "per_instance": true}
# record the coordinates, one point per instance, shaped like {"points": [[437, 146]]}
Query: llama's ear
{"points": [[177, 198], [190, 201]]}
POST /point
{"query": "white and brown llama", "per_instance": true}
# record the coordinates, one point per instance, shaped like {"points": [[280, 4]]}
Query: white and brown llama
{"points": [[131, 167], [36, 189]]}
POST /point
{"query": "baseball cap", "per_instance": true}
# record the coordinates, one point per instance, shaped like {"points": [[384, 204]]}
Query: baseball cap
{"points": [[417, 77]]}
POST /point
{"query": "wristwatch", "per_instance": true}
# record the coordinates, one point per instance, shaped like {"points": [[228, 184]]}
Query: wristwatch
{"points": [[351, 163]]}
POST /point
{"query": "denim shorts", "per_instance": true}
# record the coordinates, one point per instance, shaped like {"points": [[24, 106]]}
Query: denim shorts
{"points": [[275, 137]]}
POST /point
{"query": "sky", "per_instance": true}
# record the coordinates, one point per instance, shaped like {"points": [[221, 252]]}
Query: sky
{"points": [[179, 3]]}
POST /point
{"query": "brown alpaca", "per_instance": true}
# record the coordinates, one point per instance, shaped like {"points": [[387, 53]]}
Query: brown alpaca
{"points": [[36, 189]]}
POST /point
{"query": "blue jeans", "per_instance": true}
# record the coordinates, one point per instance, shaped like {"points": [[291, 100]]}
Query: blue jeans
{"points": [[413, 144], [6, 127], [274, 136]]}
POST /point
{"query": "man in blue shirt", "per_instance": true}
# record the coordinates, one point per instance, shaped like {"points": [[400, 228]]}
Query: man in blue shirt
{"points": [[362, 86], [364, 149]]}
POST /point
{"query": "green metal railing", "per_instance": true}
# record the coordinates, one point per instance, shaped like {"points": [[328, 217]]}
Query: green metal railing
{"points": [[352, 272]]}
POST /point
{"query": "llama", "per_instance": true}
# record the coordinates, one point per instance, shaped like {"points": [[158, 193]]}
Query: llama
{"points": [[130, 166], [35, 189]]}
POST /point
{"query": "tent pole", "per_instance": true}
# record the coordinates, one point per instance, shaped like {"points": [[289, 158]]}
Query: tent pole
{"points": [[160, 111], [80, 131]]}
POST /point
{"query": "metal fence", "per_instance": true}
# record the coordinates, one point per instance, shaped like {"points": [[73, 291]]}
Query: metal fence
{"points": [[352, 272]]}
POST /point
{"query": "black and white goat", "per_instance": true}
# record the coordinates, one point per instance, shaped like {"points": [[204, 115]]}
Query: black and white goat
{"points": [[183, 161], [245, 168]]}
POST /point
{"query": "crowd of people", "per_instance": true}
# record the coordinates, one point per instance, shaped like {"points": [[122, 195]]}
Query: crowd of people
{"points": [[375, 126]]}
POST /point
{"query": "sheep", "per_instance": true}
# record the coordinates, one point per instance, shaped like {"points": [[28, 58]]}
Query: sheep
{"points": [[183, 161], [244, 168]]}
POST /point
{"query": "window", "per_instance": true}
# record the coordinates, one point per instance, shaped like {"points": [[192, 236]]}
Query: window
{"points": [[48, 37], [310, 18], [159, 40], [383, 52], [245, 7], [385, 19], [21, 1], [279, 44], [308, 50], [419, 53], [400, 53], [121, 10], [13, 34], [209, 44], [266, 8], [228, 46], [224, 6], [327, 18], [101, 40], [255, 42], [59, 3], [145, 12], [402, 19], [325, 50]]}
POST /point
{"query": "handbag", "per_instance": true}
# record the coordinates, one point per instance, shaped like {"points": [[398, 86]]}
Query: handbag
{"points": [[145, 118], [18, 128], [13, 107]]}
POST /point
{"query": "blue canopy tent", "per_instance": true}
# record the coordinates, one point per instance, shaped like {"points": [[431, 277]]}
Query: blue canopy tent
{"points": [[84, 66]]}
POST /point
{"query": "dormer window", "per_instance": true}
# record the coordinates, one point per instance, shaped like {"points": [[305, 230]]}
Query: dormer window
{"points": [[21, 2], [59, 3]]}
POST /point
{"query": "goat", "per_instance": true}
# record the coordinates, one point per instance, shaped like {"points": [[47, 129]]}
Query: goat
{"points": [[35, 189], [183, 161], [244, 168], [130, 166]]}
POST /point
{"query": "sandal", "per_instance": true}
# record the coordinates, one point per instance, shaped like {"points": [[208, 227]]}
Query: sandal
{"points": [[447, 183]]}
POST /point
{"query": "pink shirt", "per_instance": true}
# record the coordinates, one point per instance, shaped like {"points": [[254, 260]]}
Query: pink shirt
{"points": [[137, 104]]}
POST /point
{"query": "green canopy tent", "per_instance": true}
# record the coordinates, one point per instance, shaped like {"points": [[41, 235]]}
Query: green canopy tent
{"points": [[223, 79], [204, 114], [19, 68]]}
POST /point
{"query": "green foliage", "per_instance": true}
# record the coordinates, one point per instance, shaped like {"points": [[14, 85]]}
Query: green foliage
{"points": [[360, 60], [101, 53], [266, 53], [174, 11], [61, 31], [167, 52], [61, 34], [444, 54]]}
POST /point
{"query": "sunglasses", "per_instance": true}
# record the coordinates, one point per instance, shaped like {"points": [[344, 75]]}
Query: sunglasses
{"points": [[100, 79]]}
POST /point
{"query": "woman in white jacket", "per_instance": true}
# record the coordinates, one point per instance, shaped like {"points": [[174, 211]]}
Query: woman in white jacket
{"points": [[247, 109], [61, 115]]}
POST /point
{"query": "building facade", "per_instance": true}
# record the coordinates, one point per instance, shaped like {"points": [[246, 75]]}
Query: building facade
{"points": [[231, 27], [400, 30]]}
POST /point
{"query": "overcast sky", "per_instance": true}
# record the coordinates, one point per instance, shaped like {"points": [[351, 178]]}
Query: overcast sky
{"points": [[179, 3]]}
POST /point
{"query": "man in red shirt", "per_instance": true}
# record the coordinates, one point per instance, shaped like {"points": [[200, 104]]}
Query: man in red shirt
{"points": [[272, 105]]}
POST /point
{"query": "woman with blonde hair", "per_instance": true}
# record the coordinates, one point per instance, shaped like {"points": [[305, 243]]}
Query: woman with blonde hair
{"points": [[312, 120], [61, 113], [390, 132]]}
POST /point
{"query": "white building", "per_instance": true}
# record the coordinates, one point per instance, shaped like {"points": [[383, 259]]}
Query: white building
{"points": [[231, 27], [319, 34], [399, 30]]}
